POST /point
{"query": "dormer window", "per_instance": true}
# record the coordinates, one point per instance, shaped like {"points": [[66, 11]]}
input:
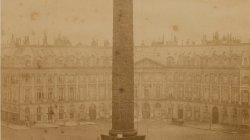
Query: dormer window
{"points": [[245, 61], [50, 79], [60, 79], [245, 80], [170, 61]]}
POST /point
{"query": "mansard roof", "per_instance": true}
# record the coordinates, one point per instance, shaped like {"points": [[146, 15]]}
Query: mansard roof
{"points": [[144, 56]]}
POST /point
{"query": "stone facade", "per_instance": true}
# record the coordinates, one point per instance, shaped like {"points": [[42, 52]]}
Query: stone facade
{"points": [[56, 84]]}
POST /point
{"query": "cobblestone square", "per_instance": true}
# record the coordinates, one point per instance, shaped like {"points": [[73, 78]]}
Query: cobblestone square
{"points": [[154, 130]]}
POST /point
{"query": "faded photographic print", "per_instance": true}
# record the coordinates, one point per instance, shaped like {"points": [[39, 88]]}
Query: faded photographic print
{"points": [[125, 70]]}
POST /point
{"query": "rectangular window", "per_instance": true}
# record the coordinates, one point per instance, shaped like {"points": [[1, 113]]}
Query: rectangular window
{"points": [[158, 91], [26, 78], [27, 95], [38, 79], [235, 80], [146, 92], [39, 117], [136, 91], [50, 113], [61, 112], [171, 92], [83, 92], [39, 112], [188, 92], [50, 79], [181, 91], [50, 93], [40, 95], [5, 80], [235, 95], [102, 91], [60, 115], [71, 115], [216, 93], [92, 91], [245, 97], [206, 93], [61, 94], [71, 93], [225, 94], [60, 79], [71, 79]]}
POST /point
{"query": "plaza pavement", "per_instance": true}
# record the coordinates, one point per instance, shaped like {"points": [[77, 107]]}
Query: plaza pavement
{"points": [[154, 130]]}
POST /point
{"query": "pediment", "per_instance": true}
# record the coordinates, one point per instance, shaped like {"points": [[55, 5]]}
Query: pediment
{"points": [[147, 63]]}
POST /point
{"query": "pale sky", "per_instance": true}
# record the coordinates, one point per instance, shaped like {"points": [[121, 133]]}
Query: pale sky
{"points": [[84, 20]]}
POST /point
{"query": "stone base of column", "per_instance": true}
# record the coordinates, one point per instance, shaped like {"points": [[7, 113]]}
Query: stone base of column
{"points": [[125, 133], [106, 137]]}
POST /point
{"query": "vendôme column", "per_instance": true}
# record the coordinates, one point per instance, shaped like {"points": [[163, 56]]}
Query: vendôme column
{"points": [[123, 73], [123, 69]]}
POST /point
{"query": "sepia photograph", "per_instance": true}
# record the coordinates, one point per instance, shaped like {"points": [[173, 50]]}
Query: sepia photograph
{"points": [[125, 70]]}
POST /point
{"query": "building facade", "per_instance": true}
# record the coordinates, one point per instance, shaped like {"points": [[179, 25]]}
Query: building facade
{"points": [[55, 84]]}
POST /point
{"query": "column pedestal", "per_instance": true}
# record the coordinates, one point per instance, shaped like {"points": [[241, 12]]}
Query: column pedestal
{"points": [[125, 133], [105, 137]]}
